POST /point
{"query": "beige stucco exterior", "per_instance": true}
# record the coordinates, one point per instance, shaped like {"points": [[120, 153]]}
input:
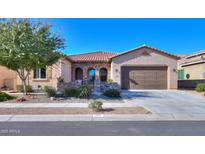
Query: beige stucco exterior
{"points": [[60, 69], [7, 78], [65, 68], [154, 58], [195, 71], [194, 66]]}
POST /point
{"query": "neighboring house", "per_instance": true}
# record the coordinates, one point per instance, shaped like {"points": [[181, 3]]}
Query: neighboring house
{"points": [[140, 68], [191, 69], [7, 78]]}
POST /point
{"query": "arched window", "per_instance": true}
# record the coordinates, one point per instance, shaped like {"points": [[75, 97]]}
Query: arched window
{"points": [[91, 74], [103, 74], [78, 74]]}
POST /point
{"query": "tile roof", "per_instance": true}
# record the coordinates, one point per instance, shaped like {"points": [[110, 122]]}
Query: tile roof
{"points": [[182, 55], [196, 54], [145, 46], [198, 61], [99, 56], [188, 60], [193, 58], [102, 56]]}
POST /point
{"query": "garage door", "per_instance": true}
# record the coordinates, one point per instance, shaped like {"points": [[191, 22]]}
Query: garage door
{"points": [[133, 77]]}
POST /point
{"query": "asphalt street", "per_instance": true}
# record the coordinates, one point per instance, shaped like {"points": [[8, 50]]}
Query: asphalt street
{"points": [[112, 128]]}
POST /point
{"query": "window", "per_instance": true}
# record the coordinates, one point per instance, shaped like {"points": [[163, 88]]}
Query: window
{"points": [[187, 76], [40, 73], [181, 74]]}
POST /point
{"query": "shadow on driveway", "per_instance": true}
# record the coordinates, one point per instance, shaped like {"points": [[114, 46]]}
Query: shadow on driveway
{"points": [[140, 94]]}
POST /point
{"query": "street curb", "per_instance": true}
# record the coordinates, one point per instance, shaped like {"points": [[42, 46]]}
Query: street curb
{"points": [[97, 117]]}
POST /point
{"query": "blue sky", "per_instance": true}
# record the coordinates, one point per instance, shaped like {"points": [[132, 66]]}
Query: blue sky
{"points": [[178, 36]]}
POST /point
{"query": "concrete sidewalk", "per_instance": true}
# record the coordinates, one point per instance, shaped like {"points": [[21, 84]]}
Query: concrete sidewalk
{"points": [[101, 117], [64, 105]]}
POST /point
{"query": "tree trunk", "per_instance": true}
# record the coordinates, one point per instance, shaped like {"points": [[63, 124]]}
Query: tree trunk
{"points": [[24, 86], [28, 85], [23, 77]]}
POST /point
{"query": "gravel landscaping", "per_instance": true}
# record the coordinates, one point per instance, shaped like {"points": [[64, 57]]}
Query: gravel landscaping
{"points": [[45, 99], [37, 111]]}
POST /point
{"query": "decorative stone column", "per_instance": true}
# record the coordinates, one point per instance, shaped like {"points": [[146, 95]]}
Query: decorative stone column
{"points": [[97, 74], [85, 72]]}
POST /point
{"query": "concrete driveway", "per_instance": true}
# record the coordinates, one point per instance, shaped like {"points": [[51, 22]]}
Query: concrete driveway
{"points": [[174, 103]]}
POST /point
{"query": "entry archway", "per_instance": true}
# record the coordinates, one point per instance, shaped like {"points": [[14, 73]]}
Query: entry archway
{"points": [[78, 74], [103, 74], [91, 74]]}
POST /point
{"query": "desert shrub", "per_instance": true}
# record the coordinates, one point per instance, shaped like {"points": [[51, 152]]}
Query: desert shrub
{"points": [[112, 93], [96, 105], [109, 80], [84, 92], [71, 92], [19, 88], [5, 97], [200, 87], [51, 92]]}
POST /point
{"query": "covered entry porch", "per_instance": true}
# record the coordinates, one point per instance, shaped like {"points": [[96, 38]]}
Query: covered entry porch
{"points": [[91, 71]]}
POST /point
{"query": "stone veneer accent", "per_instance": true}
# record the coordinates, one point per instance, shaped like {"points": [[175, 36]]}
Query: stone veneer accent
{"points": [[73, 84], [106, 86], [98, 86]]}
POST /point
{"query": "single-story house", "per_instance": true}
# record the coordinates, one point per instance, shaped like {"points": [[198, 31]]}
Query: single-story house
{"points": [[144, 67], [191, 69]]}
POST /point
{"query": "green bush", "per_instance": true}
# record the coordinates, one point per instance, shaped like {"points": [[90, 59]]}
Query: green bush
{"points": [[200, 87], [84, 92], [5, 97], [96, 105], [109, 80], [51, 92], [112, 93], [19, 88], [71, 92]]}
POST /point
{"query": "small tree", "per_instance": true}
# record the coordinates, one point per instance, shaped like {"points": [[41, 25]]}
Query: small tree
{"points": [[25, 45]]}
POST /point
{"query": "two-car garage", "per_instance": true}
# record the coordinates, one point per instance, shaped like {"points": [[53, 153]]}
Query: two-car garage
{"points": [[145, 68], [144, 77]]}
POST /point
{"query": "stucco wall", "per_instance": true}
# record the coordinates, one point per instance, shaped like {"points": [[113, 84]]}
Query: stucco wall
{"points": [[66, 70], [61, 69], [7, 78], [153, 59], [195, 71]]}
